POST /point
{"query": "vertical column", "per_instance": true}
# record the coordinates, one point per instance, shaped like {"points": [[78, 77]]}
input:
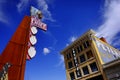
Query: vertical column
{"points": [[15, 51]]}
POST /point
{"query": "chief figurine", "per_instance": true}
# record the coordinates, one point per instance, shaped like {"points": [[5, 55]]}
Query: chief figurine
{"points": [[39, 14], [36, 12]]}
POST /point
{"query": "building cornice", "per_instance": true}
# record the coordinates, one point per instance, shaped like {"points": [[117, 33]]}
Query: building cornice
{"points": [[89, 32]]}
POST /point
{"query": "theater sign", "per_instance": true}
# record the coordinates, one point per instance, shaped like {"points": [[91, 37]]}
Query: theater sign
{"points": [[107, 53], [36, 16]]}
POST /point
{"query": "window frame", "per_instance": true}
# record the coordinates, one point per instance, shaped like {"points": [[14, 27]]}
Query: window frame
{"points": [[68, 56], [79, 48], [85, 69], [86, 44], [81, 58], [73, 75], [87, 54], [70, 65], [96, 67], [79, 72]]}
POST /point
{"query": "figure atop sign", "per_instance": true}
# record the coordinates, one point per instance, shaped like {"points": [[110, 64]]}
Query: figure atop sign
{"points": [[36, 16], [35, 12]]}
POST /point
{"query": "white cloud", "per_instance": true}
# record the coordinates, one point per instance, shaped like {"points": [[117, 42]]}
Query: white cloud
{"points": [[62, 58], [61, 62], [72, 39], [46, 51], [44, 8], [41, 4], [3, 17], [111, 25], [22, 4], [67, 44]]}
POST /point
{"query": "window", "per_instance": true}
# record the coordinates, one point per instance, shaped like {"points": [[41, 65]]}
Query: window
{"points": [[89, 54], [70, 64], [82, 58], [85, 70], [72, 76], [93, 67], [79, 48], [86, 44], [68, 56], [78, 73]]}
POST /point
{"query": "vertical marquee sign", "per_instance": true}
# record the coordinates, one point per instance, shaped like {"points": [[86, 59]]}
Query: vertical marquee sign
{"points": [[21, 45], [36, 22]]}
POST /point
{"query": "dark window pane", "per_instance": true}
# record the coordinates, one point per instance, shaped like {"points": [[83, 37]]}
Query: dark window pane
{"points": [[89, 54], [86, 44], [78, 73], [82, 58], [72, 76], [93, 67], [68, 56], [70, 65], [85, 70], [79, 48]]}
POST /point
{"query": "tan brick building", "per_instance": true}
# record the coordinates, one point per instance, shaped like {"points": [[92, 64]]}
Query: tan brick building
{"points": [[85, 57], [5, 77]]}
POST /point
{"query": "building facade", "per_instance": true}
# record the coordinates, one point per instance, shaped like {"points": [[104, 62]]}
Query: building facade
{"points": [[85, 57], [5, 77], [112, 69]]}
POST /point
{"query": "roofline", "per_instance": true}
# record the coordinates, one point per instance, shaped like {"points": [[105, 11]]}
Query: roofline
{"points": [[86, 33]]}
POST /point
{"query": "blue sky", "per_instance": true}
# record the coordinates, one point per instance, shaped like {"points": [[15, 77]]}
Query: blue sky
{"points": [[66, 20]]}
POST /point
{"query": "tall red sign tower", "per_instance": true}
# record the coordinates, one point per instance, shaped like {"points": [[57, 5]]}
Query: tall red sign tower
{"points": [[17, 49]]}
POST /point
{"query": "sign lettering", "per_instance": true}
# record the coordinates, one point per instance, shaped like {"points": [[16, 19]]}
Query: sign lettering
{"points": [[37, 22], [108, 52]]}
